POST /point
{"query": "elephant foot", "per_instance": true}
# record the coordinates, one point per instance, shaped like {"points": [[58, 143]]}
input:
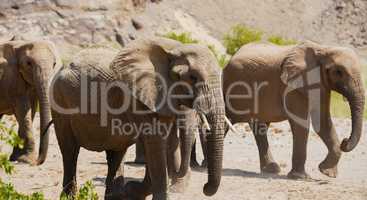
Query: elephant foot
{"points": [[134, 191], [178, 186], [328, 171], [272, 168], [115, 191], [298, 175], [329, 166], [23, 156]]}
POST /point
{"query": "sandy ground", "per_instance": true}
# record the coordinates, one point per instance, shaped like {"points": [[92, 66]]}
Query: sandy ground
{"points": [[241, 176]]}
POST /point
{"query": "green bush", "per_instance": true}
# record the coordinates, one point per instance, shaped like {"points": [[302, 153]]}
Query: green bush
{"points": [[281, 41], [239, 36], [7, 191], [186, 38], [86, 192], [10, 137], [221, 58]]}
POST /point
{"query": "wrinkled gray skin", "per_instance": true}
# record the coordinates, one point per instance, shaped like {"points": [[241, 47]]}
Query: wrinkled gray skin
{"points": [[135, 66], [187, 155], [337, 69], [25, 68]]}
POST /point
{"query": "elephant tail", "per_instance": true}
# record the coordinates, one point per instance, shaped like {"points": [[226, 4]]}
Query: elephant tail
{"points": [[43, 148]]}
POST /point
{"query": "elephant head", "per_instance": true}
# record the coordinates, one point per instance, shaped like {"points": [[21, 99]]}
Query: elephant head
{"points": [[151, 67], [340, 70], [34, 62]]}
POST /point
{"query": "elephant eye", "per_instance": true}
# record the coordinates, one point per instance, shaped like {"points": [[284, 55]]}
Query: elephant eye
{"points": [[338, 73], [193, 78], [29, 63]]}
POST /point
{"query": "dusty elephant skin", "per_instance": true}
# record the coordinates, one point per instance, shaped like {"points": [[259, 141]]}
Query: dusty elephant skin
{"points": [[24, 71], [136, 66], [289, 75], [192, 126]]}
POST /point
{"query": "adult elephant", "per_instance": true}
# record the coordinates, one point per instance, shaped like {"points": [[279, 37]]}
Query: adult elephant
{"points": [[294, 83], [25, 67], [137, 83]]}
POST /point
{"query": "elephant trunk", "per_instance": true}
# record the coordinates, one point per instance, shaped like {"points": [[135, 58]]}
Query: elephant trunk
{"points": [[215, 151], [45, 115], [216, 120], [356, 100]]}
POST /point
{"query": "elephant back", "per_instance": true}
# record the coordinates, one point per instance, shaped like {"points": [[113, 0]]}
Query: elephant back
{"points": [[94, 62]]}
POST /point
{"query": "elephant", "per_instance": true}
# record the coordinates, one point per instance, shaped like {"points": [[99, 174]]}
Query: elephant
{"points": [[25, 67], [265, 83], [138, 77]]}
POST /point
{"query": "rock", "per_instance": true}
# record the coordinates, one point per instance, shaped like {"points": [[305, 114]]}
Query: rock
{"points": [[340, 5], [136, 23]]}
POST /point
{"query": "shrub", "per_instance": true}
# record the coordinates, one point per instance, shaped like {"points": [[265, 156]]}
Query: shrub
{"points": [[186, 38], [221, 58], [86, 192], [10, 137], [239, 36], [278, 40], [7, 191]]}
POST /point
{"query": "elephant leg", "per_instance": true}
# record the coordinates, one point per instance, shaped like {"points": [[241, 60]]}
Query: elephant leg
{"points": [[174, 161], [23, 116], [327, 133], [156, 159], [267, 163], [193, 160], [69, 151], [69, 158], [115, 168], [300, 137], [139, 153], [173, 154]]}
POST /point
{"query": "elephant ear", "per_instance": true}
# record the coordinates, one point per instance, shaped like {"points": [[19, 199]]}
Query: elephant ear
{"points": [[3, 63], [7, 56], [144, 66], [299, 64]]}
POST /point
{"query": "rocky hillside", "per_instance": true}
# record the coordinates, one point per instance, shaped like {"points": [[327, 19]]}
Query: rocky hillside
{"points": [[77, 23]]}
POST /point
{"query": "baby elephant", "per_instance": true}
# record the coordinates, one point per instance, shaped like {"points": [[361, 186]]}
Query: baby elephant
{"points": [[25, 67], [264, 83]]}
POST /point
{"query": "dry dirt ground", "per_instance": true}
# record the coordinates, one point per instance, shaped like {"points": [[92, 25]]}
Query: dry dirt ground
{"points": [[241, 176]]}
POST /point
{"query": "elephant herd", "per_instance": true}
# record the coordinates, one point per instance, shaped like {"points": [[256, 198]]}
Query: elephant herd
{"points": [[159, 93]]}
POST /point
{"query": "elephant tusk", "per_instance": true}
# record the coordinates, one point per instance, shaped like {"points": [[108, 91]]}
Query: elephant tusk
{"points": [[205, 121], [231, 127]]}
